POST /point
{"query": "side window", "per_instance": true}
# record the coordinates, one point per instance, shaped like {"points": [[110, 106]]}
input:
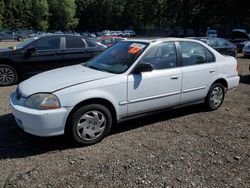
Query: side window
{"points": [[90, 44], [162, 56], [210, 56], [192, 53], [74, 42], [48, 43]]}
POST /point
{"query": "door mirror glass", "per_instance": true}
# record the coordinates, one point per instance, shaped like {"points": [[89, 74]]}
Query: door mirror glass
{"points": [[143, 67]]}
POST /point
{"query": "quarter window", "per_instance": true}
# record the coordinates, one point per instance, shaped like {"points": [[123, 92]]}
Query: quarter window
{"points": [[90, 44], [48, 43], [162, 56], [74, 42], [193, 54]]}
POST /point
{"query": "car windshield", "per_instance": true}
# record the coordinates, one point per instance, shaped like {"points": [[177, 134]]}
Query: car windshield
{"points": [[118, 58], [26, 43]]}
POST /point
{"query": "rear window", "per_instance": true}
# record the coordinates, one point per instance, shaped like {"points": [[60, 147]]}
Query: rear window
{"points": [[74, 42], [90, 43]]}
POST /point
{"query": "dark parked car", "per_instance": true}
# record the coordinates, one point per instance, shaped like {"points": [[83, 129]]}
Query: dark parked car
{"points": [[44, 53], [223, 46], [240, 38]]}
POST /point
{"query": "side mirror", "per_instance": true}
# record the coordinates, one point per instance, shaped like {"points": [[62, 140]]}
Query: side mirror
{"points": [[143, 67], [30, 50]]}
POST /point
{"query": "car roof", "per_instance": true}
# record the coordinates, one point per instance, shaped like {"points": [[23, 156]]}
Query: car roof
{"points": [[206, 38], [155, 40], [108, 37], [60, 35]]}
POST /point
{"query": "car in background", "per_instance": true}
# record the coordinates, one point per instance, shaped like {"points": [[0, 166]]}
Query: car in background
{"points": [[240, 38], [246, 49], [8, 35], [130, 79], [42, 53], [110, 40], [24, 34], [223, 46], [130, 33], [211, 33]]}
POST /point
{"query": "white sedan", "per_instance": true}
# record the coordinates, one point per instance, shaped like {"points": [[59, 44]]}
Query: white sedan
{"points": [[130, 79]]}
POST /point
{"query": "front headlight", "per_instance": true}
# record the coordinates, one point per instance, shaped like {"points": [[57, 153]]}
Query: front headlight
{"points": [[42, 101]]}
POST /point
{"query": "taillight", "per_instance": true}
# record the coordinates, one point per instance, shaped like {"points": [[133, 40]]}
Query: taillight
{"points": [[237, 67]]}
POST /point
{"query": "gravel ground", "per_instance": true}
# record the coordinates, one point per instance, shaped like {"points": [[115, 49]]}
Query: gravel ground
{"points": [[188, 147]]}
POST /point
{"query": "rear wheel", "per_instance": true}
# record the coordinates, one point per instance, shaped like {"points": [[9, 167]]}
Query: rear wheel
{"points": [[8, 75], [90, 124], [215, 96]]}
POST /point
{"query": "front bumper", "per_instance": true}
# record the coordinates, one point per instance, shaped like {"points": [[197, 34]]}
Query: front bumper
{"points": [[39, 122]]}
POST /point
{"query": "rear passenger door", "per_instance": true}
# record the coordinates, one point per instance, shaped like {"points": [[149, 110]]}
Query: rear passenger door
{"points": [[75, 50], [199, 70]]}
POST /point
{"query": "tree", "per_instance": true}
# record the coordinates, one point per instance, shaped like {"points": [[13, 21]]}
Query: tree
{"points": [[1, 12], [40, 14], [17, 14], [62, 14]]}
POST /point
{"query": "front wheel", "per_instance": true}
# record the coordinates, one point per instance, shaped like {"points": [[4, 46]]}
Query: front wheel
{"points": [[215, 96], [90, 124], [8, 75]]}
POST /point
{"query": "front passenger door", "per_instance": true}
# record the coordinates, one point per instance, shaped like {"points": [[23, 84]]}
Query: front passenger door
{"points": [[160, 88], [45, 56]]}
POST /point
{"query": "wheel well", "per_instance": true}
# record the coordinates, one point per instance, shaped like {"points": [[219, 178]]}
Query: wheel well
{"points": [[8, 62], [100, 101], [222, 81]]}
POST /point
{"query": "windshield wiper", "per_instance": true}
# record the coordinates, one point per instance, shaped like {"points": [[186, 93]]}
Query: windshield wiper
{"points": [[96, 68]]}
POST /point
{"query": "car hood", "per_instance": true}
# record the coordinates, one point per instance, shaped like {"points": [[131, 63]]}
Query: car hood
{"points": [[5, 50], [239, 35], [58, 79]]}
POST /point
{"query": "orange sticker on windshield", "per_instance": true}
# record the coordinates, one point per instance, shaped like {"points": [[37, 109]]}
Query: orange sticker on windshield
{"points": [[134, 50]]}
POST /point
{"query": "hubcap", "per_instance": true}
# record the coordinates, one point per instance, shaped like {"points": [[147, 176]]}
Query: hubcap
{"points": [[7, 75], [91, 125], [216, 96]]}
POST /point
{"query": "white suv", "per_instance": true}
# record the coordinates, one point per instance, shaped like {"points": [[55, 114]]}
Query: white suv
{"points": [[131, 78]]}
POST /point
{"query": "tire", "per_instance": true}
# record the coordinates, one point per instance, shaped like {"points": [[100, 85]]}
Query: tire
{"points": [[89, 124], [8, 75], [215, 96]]}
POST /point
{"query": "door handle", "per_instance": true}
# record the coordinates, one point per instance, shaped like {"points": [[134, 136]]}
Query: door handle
{"points": [[211, 71], [174, 77]]}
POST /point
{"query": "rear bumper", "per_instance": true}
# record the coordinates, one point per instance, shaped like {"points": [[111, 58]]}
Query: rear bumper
{"points": [[233, 82]]}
